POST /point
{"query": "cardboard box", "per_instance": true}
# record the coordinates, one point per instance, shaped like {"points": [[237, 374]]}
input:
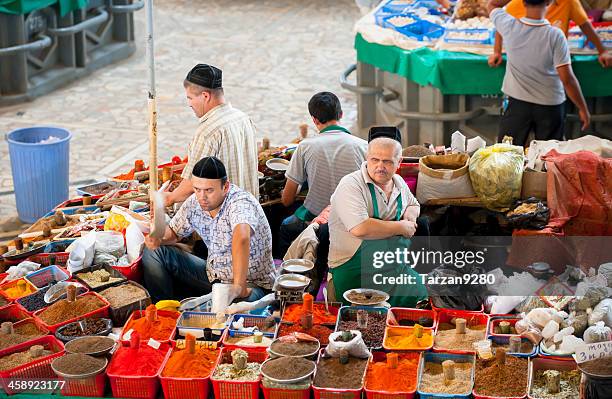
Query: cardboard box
{"points": [[534, 184]]}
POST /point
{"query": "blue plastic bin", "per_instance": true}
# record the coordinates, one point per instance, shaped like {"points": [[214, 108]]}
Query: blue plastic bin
{"points": [[40, 171]]}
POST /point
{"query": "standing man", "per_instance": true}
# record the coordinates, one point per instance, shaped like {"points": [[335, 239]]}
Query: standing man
{"points": [[372, 213], [538, 74], [224, 132], [233, 226], [321, 161]]}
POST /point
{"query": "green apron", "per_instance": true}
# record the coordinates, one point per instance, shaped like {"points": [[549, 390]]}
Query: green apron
{"points": [[302, 212], [358, 271]]}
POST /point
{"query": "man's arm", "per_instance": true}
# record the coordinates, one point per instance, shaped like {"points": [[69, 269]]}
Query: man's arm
{"points": [[241, 244], [605, 58], [496, 58], [169, 238], [375, 229], [180, 194], [572, 88], [290, 192], [412, 213], [493, 4]]}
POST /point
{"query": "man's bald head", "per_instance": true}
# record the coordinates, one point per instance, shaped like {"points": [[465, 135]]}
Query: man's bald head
{"points": [[383, 158]]}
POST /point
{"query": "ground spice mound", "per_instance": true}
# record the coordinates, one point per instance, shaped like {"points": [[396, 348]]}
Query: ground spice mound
{"points": [[96, 278], [226, 371], [373, 334], [92, 327], [300, 348], [446, 338], [319, 332], [247, 340], [509, 380], [123, 295], [293, 314], [570, 384], [598, 367], [416, 151], [63, 310], [90, 345], [404, 339], [182, 364], [142, 362], [3, 301], [22, 333], [19, 359], [433, 379], [78, 364], [381, 377], [526, 347], [161, 329], [332, 374], [285, 368]]}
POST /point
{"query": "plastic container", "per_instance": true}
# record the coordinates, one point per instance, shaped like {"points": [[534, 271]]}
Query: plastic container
{"points": [[403, 330], [4, 298], [439, 358], [546, 364], [251, 321], [225, 389], [90, 387], [90, 209], [495, 322], [120, 315], [113, 273], [334, 309], [99, 188], [335, 393], [472, 318], [411, 314], [39, 369], [40, 170], [133, 271], [58, 246], [437, 309], [47, 275], [485, 33], [552, 355], [64, 338], [380, 357], [345, 309], [12, 284], [188, 319], [98, 313], [422, 31], [278, 393], [505, 340], [576, 41], [13, 313], [184, 388], [77, 202], [44, 259], [141, 313]]}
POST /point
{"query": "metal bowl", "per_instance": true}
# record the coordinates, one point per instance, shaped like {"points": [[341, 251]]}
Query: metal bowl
{"points": [[276, 354], [297, 266], [27, 251], [79, 376], [292, 381], [73, 342], [365, 291], [292, 282], [277, 164]]}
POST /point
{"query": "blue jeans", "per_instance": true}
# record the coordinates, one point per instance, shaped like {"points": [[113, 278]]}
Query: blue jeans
{"points": [[168, 265], [289, 230]]}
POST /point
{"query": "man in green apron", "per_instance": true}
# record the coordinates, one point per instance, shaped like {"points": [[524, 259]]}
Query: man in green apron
{"points": [[372, 219]]}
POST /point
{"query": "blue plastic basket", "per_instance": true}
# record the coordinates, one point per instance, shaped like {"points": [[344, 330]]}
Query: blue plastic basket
{"points": [[250, 321], [439, 358], [423, 31], [576, 42], [485, 41], [47, 275], [72, 211], [506, 340], [58, 246], [432, 6], [202, 318]]}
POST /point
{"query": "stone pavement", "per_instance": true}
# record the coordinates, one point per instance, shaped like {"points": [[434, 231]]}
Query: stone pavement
{"points": [[275, 54]]}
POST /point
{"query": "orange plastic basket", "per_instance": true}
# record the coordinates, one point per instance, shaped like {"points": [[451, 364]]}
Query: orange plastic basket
{"points": [[185, 388], [137, 314], [336, 393], [13, 313], [381, 356], [277, 393], [413, 315], [225, 389]]}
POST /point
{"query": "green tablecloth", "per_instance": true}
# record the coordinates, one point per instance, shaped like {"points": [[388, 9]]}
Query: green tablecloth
{"points": [[464, 73], [26, 6]]}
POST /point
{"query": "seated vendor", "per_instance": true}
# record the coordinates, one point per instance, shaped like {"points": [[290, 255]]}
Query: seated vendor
{"points": [[321, 161], [373, 214], [233, 226]]}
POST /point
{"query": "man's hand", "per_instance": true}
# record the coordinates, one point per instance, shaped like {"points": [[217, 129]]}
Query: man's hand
{"points": [[495, 60], [407, 228], [168, 199], [152, 243], [605, 59], [585, 118], [246, 292]]}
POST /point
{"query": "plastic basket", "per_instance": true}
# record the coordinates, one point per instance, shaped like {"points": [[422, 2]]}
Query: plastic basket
{"points": [[553, 356], [73, 211], [201, 318], [38, 369], [495, 322], [37, 323], [472, 318], [113, 273], [391, 330], [381, 356], [411, 314], [58, 246], [133, 271], [252, 321], [486, 33], [4, 298], [139, 387], [546, 364], [120, 315], [44, 259], [432, 6], [437, 309], [13, 283], [85, 387], [13, 313], [224, 389], [439, 358], [64, 338], [98, 313], [505, 340], [77, 202], [334, 309], [576, 42], [47, 275], [42, 291], [336, 393], [423, 31], [278, 393], [141, 313], [225, 340], [346, 309], [184, 388]]}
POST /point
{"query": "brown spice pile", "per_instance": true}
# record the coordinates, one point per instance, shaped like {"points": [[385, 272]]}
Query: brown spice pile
{"points": [[92, 327], [598, 367], [89, 344], [526, 347], [96, 278], [300, 348], [509, 380], [447, 338], [416, 151], [332, 374], [22, 333], [19, 359], [123, 295], [432, 380], [63, 310], [78, 364], [285, 368], [570, 385], [373, 334]]}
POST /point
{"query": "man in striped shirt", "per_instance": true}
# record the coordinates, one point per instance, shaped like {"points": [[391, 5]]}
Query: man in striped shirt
{"points": [[321, 161], [224, 132]]}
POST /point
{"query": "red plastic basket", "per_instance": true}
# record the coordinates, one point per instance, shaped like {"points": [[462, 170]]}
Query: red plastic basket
{"points": [[8, 300], [495, 322], [37, 323], [411, 314], [77, 202], [224, 389], [125, 386], [133, 271], [13, 283], [184, 388], [472, 318], [437, 309], [334, 393], [61, 258], [38, 369], [98, 313], [381, 356], [141, 313], [390, 330], [13, 313], [276, 393], [87, 387]]}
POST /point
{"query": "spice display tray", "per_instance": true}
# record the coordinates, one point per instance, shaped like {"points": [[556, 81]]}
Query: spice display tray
{"points": [[506, 340], [45, 258], [412, 314], [380, 357], [334, 309], [133, 271], [337, 393], [389, 330], [90, 387], [551, 355], [184, 388], [98, 313], [63, 338], [547, 364], [13, 313], [47, 275], [120, 315], [225, 389], [495, 322], [251, 321], [369, 309], [198, 332], [13, 283], [113, 273], [473, 318], [439, 358], [141, 313]]}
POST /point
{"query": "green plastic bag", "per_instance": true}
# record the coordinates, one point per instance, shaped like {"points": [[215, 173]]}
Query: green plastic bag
{"points": [[497, 173]]}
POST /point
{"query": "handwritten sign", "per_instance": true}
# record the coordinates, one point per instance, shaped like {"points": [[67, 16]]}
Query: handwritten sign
{"points": [[594, 351]]}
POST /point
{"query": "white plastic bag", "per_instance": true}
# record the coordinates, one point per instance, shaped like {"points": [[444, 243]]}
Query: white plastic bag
{"points": [[598, 333], [244, 307], [539, 317], [82, 254], [134, 241], [223, 295], [457, 142], [355, 347], [20, 270], [111, 243], [605, 307]]}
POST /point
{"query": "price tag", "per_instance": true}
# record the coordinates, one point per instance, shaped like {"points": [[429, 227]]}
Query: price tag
{"points": [[598, 350], [153, 343], [128, 334]]}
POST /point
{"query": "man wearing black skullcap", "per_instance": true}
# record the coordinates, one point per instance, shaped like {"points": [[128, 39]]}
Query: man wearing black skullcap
{"points": [[235, 230], [223, 132]]}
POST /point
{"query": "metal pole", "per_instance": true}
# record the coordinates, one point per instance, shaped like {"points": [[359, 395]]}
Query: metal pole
{"points": [[153, 182]]}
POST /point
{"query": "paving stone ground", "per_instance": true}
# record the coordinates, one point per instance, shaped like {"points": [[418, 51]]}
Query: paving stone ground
{"points": [[275, 54]]}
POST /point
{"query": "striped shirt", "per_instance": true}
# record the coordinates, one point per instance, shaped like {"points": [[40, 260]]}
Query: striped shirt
{"points": [[228, 134], [322, 161]]}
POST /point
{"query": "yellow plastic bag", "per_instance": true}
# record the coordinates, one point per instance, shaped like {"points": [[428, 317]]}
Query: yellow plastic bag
{"points": [[116, 222], [497, 173]]}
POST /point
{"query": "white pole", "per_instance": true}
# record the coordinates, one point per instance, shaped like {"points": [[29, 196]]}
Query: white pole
{"points": [[151, 102]]}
